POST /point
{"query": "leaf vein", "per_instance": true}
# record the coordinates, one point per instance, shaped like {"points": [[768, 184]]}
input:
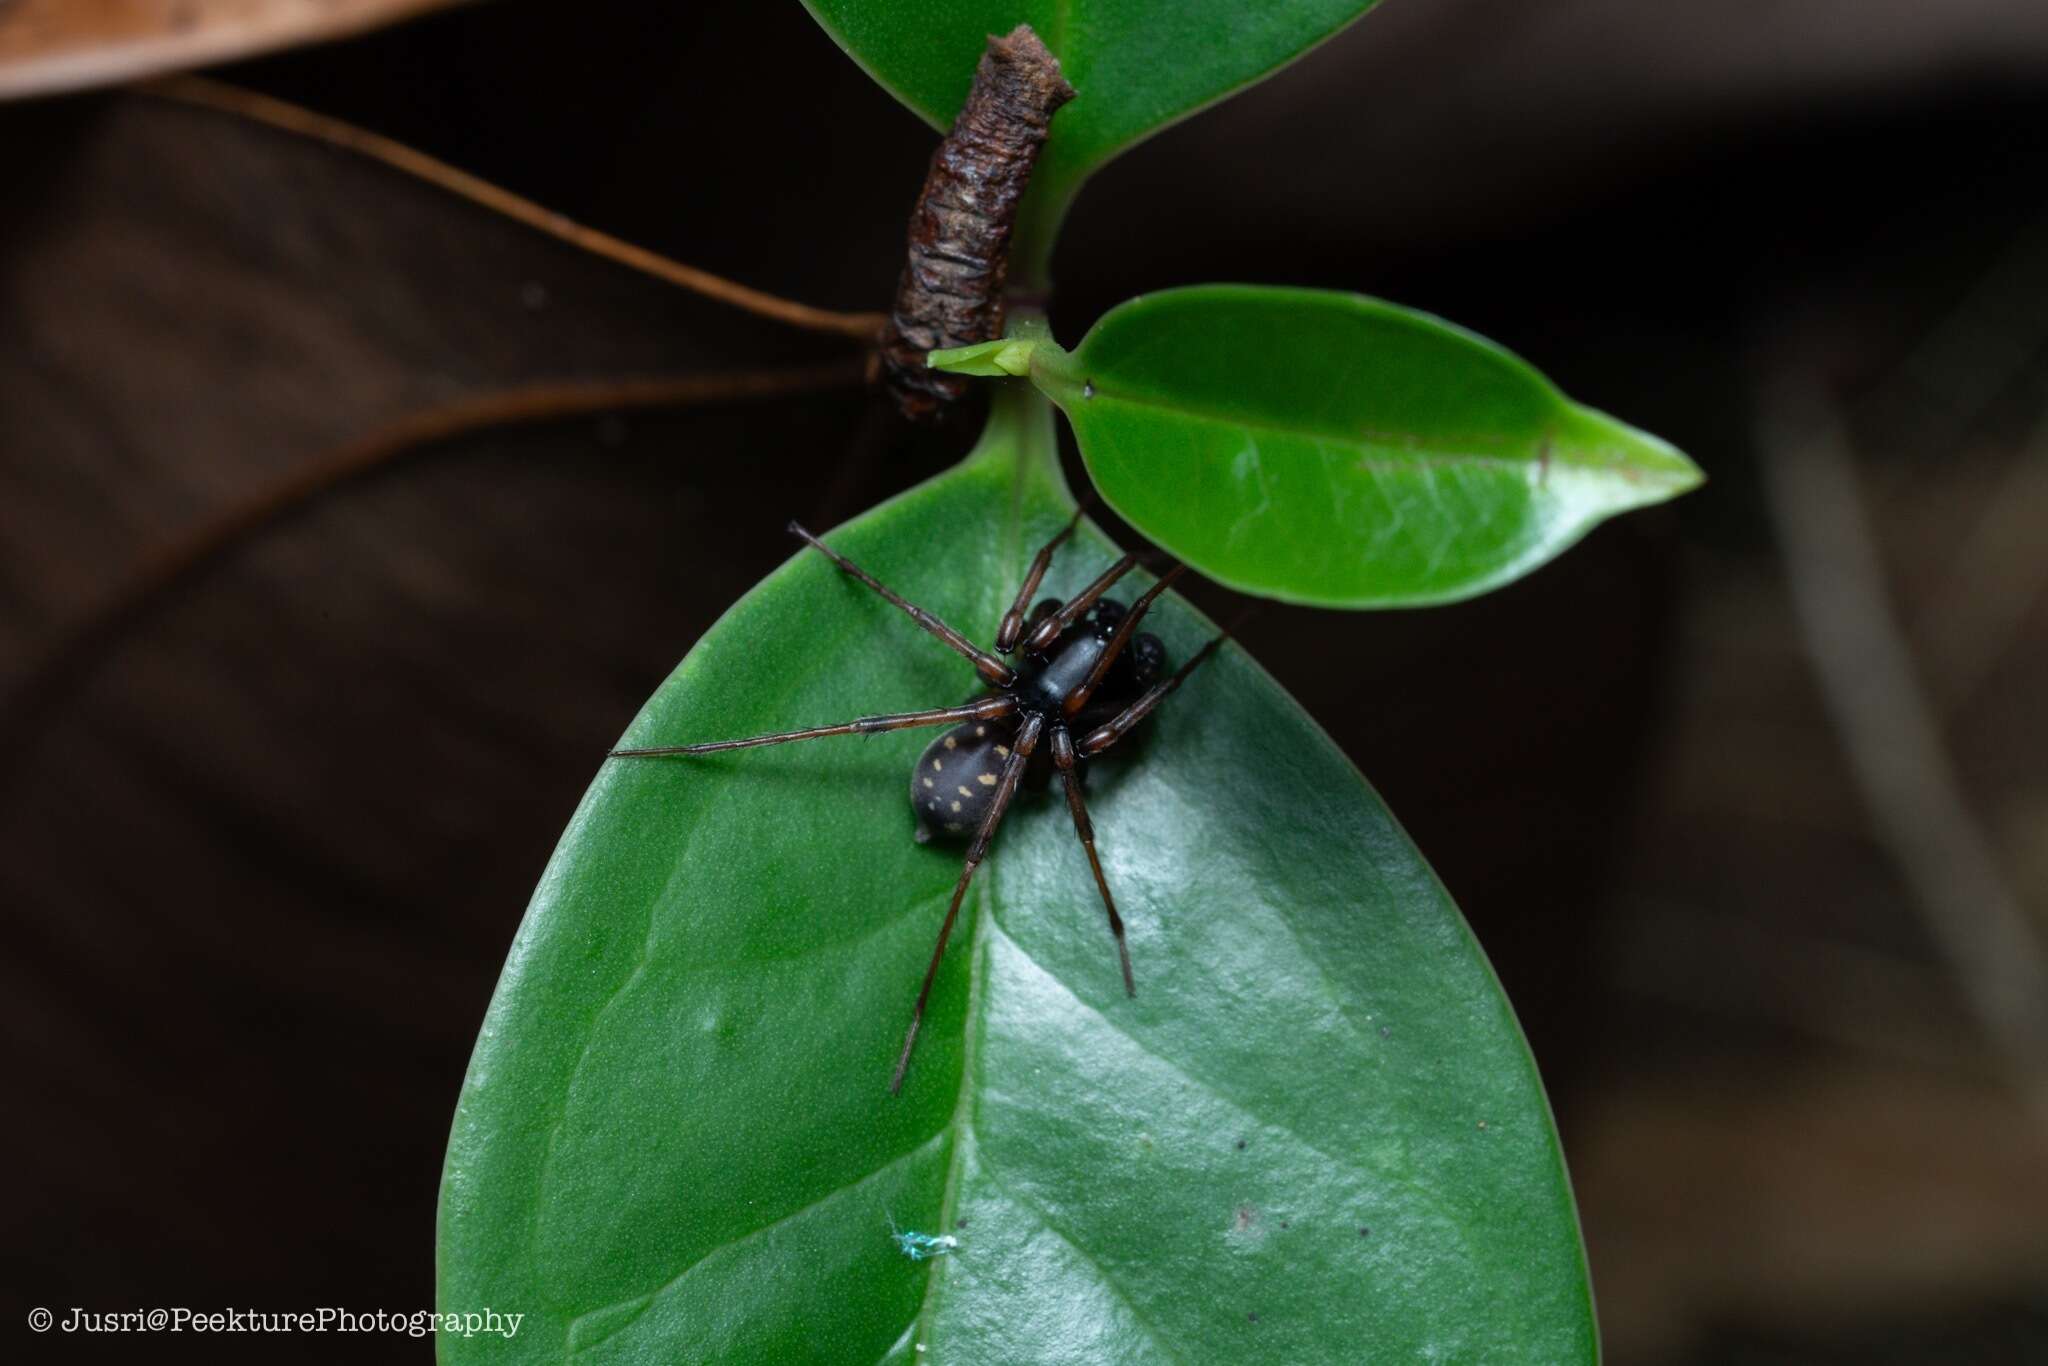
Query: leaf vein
{"points": [[1427, 1195], [1423, 455], [647, 1299], [1109, 1282]]}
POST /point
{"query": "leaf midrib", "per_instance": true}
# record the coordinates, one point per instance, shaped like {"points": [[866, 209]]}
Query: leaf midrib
{"points": [[647, 1299], [960, 1124], [1427, 452]]}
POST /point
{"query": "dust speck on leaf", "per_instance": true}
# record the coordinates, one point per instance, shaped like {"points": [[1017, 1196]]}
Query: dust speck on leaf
{"points": [[922, 1247]]}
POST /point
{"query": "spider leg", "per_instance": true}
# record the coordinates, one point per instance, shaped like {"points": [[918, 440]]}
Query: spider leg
{"points": [[1119, 638], [1063, 759], [1013, 620], [1114, 729], [1006, 788], [991, 669], [982, 709], [1049, 630]]}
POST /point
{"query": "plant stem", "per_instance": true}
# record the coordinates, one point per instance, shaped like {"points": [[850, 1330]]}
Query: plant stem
{"points": [[1038, 227], [157, 575], [1020, 434], [290, 118]]}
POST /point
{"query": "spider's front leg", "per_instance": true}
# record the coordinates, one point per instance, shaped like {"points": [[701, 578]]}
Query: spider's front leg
{"points": [[981, 709], [1053, 627], [1120, 725], [992, 670], [1013, 620]]}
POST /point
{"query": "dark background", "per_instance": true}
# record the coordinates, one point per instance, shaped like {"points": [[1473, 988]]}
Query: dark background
{"points": [[263, 843]]}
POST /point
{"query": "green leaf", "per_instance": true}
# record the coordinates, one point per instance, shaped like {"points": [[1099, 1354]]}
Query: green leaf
{"points": [[1139, 65], [999, 359], [1328, 448], [1315, 1135]]}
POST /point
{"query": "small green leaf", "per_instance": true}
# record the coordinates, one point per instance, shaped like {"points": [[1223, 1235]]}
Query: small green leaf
{"points": [[1139, 65], [1314, 1136], [1002, 358], [1327, 448]]}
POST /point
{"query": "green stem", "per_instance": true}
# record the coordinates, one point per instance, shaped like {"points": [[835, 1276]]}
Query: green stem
{"points": [[1020, 434], [1038, 227]]}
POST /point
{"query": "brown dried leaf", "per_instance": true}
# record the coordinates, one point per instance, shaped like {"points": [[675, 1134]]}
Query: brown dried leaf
{"points": [[53, 45]]}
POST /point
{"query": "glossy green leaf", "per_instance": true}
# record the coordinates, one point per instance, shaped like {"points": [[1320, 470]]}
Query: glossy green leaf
{"points": [[1328, 448], [1138, 66], [1315, 1136]]}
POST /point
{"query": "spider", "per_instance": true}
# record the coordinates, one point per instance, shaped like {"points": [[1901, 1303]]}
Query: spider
{"points": [[1080, 668]]}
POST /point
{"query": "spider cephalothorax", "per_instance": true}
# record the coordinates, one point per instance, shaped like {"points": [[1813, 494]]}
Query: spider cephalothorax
{"points": [[1083, 677]]}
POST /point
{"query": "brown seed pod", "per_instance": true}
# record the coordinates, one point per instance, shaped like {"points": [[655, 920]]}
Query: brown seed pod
{"points": [[951, 293]]}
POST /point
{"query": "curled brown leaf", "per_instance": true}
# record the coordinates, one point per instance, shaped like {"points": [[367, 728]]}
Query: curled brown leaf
{"points": [[47, 46]]}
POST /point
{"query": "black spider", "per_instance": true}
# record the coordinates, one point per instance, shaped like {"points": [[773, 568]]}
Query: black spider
{"points": [[1078, 671]]}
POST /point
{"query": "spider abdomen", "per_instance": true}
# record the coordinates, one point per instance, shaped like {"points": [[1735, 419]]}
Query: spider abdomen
{"points": [[955, 778]]}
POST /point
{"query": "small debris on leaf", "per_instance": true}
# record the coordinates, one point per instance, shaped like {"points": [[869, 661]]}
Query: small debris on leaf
{"points": [[922, 1247]]}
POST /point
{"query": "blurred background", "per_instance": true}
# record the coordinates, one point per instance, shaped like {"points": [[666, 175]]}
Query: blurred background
{"points": [[1746, 797]]}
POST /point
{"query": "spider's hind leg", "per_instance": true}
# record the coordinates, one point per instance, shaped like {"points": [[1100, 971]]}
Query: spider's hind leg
{"points": [[1063, 759], [1006, 788]]}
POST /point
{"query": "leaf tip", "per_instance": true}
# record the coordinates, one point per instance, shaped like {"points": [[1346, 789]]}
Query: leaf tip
{"points": [[1653, 468]]}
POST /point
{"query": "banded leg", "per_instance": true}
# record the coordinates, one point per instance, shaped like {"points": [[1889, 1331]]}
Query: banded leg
{"points": [[1114, 729], [1006, 788], [1063, 759], [992, 670], [1119, 638], [1013, 620], [983, 709], [1049, 630]]}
